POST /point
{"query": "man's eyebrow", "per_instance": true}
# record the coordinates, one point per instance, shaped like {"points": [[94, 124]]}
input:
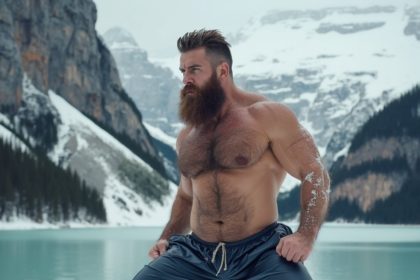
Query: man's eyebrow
{"points": [[190, 67]]}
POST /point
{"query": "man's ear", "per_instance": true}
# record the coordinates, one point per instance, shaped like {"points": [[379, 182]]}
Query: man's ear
{"points": [[223, 70]]}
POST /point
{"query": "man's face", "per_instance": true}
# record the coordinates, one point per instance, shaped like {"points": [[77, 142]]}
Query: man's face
{"points": [[202, 96]]}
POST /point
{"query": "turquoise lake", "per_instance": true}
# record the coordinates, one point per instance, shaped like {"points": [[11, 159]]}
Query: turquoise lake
{"points": [[342, 252]]}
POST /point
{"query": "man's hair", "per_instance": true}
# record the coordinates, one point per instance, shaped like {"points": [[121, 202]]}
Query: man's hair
{"points": [[213, 42]]}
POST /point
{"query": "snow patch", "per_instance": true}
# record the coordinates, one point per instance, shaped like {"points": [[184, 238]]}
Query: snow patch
{"points": [[160, 135], [11, 138], [342, 152], [72, 119]]}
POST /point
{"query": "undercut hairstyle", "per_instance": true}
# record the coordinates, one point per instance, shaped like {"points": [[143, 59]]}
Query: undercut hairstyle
{"points": [[213, 42]]}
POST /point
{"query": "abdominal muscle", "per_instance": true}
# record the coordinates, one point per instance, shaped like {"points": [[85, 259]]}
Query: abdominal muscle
{"points": [[233, 204]]}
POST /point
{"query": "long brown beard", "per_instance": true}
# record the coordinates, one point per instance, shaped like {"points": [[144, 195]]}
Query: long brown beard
{"points": [[204, 104]]}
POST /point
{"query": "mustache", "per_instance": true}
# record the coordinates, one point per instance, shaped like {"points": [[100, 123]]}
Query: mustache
{"points": [[189, 88]]}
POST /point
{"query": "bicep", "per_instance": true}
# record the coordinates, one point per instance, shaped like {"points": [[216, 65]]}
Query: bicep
{"points": [[291, 143], [297, 154]]}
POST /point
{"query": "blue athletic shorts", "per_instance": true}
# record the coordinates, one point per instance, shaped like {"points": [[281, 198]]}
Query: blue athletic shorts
{"points": [[189, 257]]}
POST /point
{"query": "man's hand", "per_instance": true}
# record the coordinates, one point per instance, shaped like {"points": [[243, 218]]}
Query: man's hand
{"points": [[158, 249], [295, 247]]}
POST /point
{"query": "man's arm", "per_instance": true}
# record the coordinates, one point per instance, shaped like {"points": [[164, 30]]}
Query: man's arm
{"points": [[295, 149], [179, 221], [306, 166]]}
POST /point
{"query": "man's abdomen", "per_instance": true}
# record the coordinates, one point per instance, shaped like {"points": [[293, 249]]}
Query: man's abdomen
{"points": [[230, 205]]}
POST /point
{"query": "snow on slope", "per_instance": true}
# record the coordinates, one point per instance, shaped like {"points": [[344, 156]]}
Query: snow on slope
{"points": [[160, 135], [8, 136], [97, 157], [80, 137], [285, 46]]}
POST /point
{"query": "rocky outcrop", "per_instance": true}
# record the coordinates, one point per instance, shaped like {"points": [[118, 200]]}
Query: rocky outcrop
{"points": [[368, 188], [10, 64], [413, 25], [375, 170], [385, 149], [276, 16], [154, 89], [56, 45], [348, 28]]}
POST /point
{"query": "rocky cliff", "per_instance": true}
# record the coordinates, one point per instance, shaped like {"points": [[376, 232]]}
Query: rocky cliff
{"points": [[56, 45], [154, 89], [60, 92]]}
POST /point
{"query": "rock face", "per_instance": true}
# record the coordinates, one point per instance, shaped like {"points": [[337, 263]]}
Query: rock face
{"points": [[375, 171], [55, 44], [153, 88], [413, 25], [60, 93]]}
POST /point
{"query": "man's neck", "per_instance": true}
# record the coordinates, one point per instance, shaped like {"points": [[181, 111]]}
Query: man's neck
{"points": [[231, 100]]}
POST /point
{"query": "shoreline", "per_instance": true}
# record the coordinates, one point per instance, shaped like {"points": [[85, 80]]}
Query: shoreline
{"points": [[30, 225]]}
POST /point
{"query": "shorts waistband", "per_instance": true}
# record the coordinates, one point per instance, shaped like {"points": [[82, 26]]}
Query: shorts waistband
{"points": [[241, 242]]}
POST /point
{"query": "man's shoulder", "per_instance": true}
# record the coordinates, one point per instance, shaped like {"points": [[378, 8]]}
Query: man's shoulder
{"points": [[276, 119], [270, 109]]}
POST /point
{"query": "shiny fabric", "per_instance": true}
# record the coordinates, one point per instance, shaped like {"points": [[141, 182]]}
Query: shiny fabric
{"points": [[253, 258]]}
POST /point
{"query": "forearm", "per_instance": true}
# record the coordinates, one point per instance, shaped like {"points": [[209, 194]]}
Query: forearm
{"points": [[179, 222], [314, 202]]}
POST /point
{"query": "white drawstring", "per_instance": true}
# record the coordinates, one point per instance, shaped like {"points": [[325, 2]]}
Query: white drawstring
{"points": [[224, 259]]}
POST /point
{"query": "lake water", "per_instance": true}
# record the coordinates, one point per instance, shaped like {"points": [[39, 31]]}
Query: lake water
{"points": [[342, 252]]}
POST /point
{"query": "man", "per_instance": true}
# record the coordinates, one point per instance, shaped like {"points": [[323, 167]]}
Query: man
{"points": [[233, 155]]}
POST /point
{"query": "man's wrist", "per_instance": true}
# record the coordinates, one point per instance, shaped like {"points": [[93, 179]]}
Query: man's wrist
{"points": [[309, 233]]}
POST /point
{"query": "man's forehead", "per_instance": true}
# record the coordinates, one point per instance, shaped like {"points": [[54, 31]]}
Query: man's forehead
{"points": [[193, 57]]}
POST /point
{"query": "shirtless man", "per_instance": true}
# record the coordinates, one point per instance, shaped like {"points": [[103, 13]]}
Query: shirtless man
{"points": [[234, 153]]}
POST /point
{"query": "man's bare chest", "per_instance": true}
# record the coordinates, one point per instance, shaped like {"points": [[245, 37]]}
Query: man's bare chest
{"points": [[236, 142]]}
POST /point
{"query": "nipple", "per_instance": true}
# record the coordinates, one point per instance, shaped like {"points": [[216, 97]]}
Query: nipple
{"points": [[241, 160]]}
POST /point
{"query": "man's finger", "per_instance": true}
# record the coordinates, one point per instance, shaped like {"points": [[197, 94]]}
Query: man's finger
{"points": [[161, 246], [297, 256], [285, 251], [280, 247], [153, 254], [290, 254]]}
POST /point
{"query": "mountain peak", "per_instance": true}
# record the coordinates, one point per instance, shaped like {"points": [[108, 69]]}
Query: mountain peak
{"points": [[119, 38]]}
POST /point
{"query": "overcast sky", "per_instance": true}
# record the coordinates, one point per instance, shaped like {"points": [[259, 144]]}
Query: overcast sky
{"points": [[156, 24]]}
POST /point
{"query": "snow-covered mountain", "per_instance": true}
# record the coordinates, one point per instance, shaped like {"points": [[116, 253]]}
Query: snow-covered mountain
{"points": [[133, 193], [166, 146], [61, 97], [155, 91], [154, 88]]}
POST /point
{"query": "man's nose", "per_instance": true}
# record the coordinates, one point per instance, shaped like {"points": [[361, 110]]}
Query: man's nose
{"points": [[187, 79]]}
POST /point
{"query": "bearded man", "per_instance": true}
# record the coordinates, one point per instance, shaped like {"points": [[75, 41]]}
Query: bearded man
{"points": [[234, 153]]}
